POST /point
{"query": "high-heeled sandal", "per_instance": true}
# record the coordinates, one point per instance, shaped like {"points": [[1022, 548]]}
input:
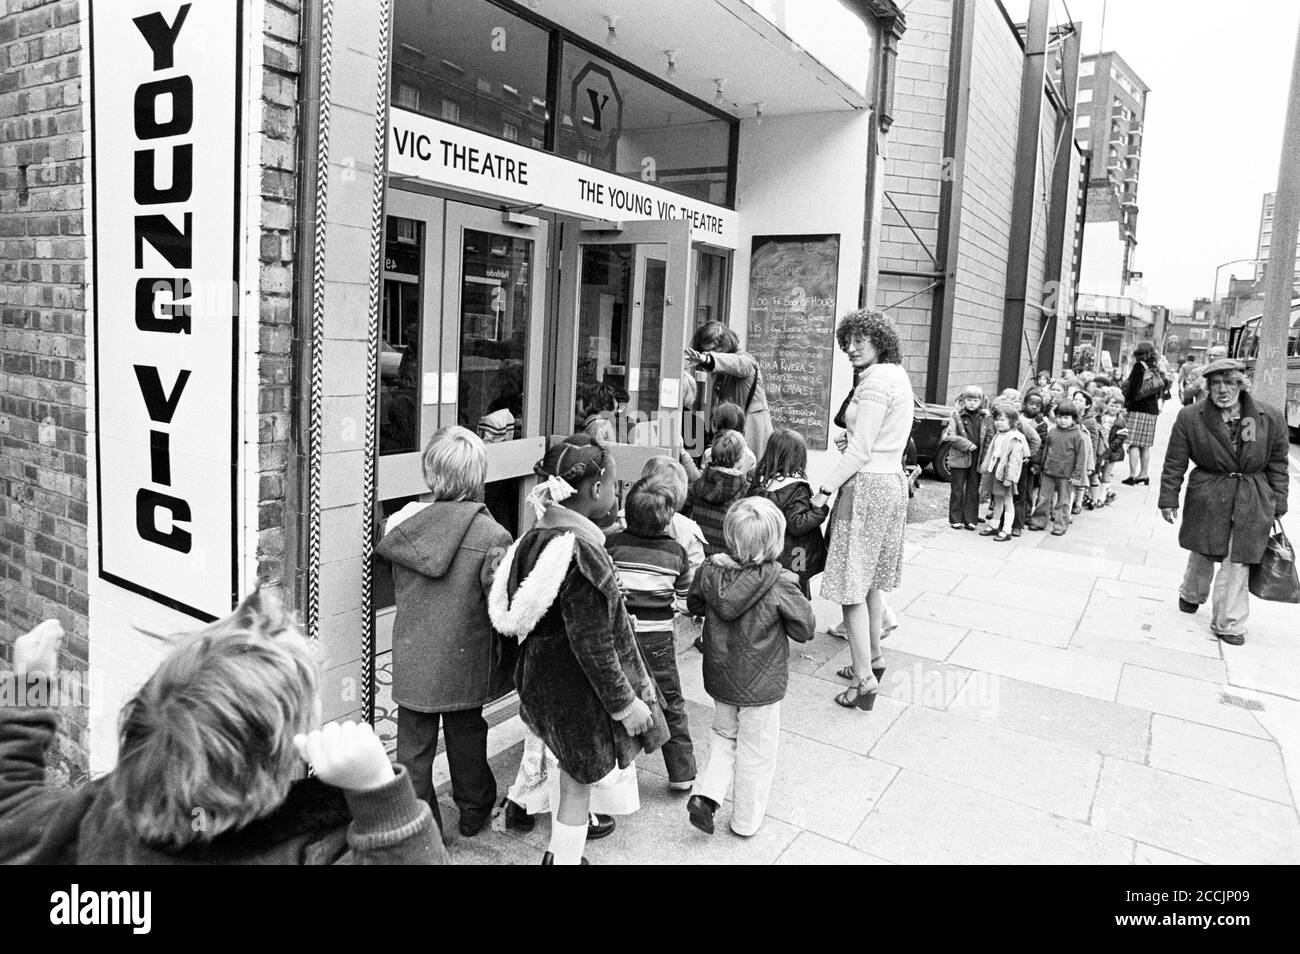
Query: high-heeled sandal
{"points": [[855, 697], [849, 673]]}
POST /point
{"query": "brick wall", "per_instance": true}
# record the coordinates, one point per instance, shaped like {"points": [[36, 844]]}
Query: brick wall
{"points": [[915, 170], [43, 494], [989, 167], [277, 257]]}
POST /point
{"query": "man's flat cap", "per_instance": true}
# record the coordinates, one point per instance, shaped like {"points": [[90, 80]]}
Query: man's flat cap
{"points": [[1223, 364]]}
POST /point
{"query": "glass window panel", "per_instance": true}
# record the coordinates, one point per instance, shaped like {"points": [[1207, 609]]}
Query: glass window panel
{"points": [[399, 347], [652, 338], [710, 287], [604, 327], [495, 304], [621, 123], [472, 63]]}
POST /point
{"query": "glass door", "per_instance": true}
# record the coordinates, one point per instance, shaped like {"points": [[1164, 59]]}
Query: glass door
{"points": [[622, 322], [494, 317], [463, 326]]}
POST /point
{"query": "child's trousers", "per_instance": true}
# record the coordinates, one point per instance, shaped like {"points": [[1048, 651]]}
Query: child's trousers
{"points": [[661, 659], [742, 756], [964, 495], [1025, 489], [1055, 498], [473, 787]]}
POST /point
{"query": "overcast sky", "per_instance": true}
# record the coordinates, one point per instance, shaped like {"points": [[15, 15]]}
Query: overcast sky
{"points": [[1219, 75]]}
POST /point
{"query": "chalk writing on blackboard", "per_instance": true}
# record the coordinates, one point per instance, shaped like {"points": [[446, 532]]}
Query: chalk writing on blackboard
{"points": [[792, 282]]}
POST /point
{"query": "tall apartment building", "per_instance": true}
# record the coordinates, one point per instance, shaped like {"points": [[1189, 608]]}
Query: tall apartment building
{"points": [[1266, 240], [1109, 124], [1111, 314]]}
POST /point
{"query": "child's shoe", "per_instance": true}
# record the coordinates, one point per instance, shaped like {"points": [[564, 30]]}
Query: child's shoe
{"points": [[1002, 537], [701, 809], [685, 786], [1087, 504], [1111, 497], [549, 859], [1076, 510], [598, 826], [517, 817], [988, 531]]}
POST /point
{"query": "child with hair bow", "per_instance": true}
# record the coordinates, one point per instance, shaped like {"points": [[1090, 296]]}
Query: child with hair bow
{"points": [[584, 687]]}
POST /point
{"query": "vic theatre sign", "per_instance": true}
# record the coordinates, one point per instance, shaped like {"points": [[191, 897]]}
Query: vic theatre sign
{"points": [[165, 176]]}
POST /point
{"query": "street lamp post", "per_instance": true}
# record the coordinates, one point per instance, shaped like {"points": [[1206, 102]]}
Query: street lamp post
{"points": [[1214, 296]]}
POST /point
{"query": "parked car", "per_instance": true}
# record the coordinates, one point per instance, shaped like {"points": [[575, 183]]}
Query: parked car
{"points": [[928, 424]]}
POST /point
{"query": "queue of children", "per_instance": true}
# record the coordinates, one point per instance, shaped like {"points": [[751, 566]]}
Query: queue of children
{"points": [[1038, 459]]}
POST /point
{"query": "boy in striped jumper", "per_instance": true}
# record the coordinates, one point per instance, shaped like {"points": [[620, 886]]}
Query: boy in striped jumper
{"points": [[655, 576]]}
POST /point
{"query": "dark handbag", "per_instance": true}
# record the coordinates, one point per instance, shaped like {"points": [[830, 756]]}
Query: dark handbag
{"points": [[1153, 382], [1274, 577]]}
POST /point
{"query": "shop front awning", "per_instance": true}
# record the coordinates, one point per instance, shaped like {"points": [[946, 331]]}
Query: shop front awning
{"points": [[1091, 307], [753, 46]]}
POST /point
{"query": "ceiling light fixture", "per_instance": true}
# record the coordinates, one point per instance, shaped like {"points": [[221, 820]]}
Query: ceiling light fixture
{"points": [[611, 36], [672, 62]]}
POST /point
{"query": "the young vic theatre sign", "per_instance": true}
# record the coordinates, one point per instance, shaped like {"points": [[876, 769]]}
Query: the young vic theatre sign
{"points": [[165, 176]]}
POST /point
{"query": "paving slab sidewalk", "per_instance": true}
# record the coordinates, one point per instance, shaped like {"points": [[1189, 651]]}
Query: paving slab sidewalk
{"points": [[1046, 701]]}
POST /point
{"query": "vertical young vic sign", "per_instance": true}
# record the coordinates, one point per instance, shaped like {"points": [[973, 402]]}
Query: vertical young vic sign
{"points": [[165, 173]]}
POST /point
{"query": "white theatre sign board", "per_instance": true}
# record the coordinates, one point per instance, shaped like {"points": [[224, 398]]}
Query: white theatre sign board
{"points": [[165, 107], [436, 151]]}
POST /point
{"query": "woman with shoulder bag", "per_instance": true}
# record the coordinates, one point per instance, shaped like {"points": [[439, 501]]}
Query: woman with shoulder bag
{"points": [[736, 379], [1142, 408]]}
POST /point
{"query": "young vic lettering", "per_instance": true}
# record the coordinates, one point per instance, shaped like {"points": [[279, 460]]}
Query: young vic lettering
{"points": [[171, 97]]}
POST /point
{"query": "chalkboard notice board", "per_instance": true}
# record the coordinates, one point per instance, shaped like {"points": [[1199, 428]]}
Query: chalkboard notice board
{"points": [[792, 281]]}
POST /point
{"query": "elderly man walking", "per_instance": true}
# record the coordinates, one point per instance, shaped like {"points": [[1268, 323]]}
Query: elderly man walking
{"points": [[1236, 491]]}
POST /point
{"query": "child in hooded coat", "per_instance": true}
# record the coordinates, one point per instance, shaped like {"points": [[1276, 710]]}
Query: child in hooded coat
{"points": [[751, 607], [719, 485], [782, 477]]}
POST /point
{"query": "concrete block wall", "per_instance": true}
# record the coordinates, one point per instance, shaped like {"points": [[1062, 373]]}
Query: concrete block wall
{"points": [[347, 279], [914, 171], [44, 552], [989, 167]]}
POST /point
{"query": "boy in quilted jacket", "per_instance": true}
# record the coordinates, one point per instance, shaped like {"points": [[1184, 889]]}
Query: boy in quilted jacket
{"points": [[751, 606]]}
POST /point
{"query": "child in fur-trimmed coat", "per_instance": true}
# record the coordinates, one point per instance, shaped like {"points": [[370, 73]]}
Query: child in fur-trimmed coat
{"points": [[584, 687]]}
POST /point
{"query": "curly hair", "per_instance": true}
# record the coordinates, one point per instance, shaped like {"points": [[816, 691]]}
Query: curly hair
{"points": [[873, 326]]}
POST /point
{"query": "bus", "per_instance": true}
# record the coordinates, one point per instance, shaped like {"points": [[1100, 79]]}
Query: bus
{"points": [[1243, 344]]}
